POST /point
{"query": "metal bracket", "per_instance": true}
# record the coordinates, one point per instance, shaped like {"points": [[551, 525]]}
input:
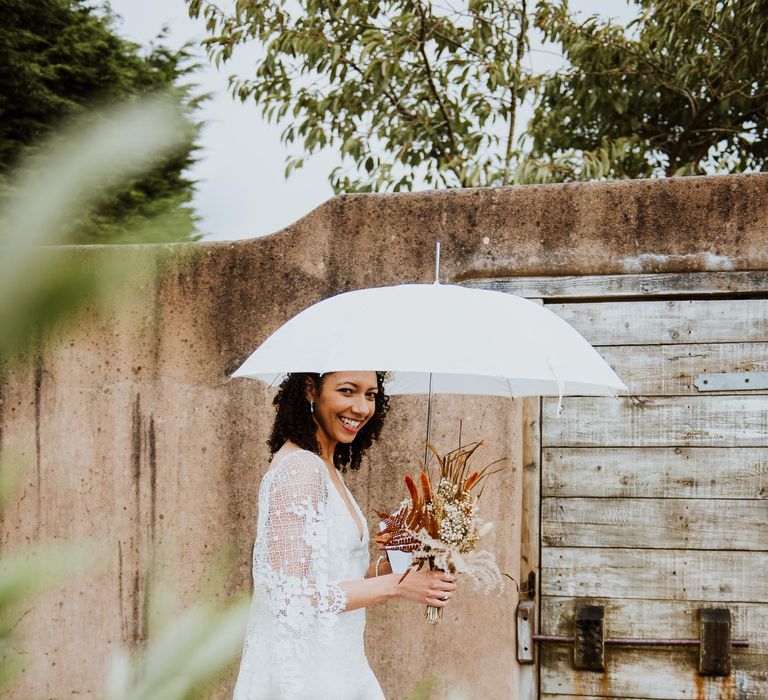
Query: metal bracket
{"points": [[715, 637], [525, 626], [731, 381], [714, 642], [589, 640]]}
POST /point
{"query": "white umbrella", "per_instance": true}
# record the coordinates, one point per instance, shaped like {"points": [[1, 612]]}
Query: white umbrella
{"points": [[438, 338]]}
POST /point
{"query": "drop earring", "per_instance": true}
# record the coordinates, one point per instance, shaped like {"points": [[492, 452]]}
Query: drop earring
{"points": [[311, 406]]}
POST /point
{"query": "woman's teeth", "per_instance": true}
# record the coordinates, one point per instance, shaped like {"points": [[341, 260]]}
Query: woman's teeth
{"points": [[351, 424]]}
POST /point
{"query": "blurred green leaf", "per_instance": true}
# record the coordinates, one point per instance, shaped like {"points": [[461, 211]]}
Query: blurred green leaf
{"points": [[40, 286], [65, 59], [27, 573], [184, 658]]}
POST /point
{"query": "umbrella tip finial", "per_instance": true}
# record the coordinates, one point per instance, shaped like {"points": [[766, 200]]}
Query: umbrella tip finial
{"points": [[437, 262]]}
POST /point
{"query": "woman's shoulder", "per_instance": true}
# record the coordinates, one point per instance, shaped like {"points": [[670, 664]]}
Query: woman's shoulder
{"points": [[294, 463]]}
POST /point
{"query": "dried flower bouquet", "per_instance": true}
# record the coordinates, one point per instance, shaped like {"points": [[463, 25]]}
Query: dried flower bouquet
{"points": [[440, 526]]}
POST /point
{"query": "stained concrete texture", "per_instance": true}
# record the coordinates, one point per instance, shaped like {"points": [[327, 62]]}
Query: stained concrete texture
{"points": [[132, 434]]}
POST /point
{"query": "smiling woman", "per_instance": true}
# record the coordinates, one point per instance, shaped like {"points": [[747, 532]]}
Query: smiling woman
{"points": [[310, 408], [311, 571]]}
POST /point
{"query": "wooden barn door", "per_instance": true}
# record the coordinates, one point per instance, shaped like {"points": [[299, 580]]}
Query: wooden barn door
{"points": [[656, 506]]}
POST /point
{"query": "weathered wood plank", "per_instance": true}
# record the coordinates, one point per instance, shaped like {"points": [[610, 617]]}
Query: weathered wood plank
{"points": [[656, 523], [666, 674], [671, 369], [646, 619], [657, 472], [531, 497], [655, 574], [684, 321], [667, 284], [717, 421], [530, 519]]}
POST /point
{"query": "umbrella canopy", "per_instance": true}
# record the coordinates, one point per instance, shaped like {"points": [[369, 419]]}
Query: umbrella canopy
{"points": [[438, 338]]}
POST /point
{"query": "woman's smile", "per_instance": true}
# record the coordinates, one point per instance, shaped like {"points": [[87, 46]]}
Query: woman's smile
{"points": [[350, 424]]}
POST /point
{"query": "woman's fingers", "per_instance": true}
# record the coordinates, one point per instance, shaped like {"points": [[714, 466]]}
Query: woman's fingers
{"points": [[445, 576], [444, 586], [441, 598], [430, 587], [438, 601]]}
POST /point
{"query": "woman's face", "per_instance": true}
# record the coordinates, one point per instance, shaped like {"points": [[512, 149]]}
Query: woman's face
{"points": [[347, 401]]}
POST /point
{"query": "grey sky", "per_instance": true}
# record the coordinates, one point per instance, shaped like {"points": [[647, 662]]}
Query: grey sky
{"points": [[242, 191]]}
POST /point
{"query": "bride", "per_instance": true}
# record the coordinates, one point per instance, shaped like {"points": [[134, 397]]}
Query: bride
{"points": [[311, 571]]}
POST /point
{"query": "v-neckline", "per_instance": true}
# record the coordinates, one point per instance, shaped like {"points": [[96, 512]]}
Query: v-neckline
{"points": [[350, 507], [349, 504]]}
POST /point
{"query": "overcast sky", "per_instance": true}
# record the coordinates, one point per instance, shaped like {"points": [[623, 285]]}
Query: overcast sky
{"points": [[242, 191]]}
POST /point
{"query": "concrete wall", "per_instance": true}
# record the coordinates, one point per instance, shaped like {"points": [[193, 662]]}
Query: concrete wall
{"points": [[132, 433]]}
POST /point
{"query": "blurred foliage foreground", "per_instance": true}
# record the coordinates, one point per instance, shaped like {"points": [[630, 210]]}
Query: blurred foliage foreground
{"points": [[58, 60], [40, 287]]}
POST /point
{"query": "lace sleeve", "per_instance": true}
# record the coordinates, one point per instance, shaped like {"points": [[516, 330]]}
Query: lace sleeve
{"points": [[290, 566]]}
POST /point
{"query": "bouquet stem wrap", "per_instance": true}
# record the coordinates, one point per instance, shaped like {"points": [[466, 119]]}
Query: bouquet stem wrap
{"points": [[433, 614]]}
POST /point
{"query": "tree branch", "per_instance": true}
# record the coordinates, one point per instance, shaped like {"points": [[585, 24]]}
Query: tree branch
{"points": [[433, 88], [519, 51]]}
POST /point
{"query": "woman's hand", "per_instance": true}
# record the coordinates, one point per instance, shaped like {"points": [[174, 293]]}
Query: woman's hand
{"points": [[427, 587]]}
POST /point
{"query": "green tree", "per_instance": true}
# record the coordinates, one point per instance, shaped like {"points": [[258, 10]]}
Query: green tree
{"points": [[409, 89], [403, 88], [682, 90], [62, 60]]}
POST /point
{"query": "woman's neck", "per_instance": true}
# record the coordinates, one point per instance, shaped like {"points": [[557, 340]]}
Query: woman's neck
{"points": [[327, 446]]}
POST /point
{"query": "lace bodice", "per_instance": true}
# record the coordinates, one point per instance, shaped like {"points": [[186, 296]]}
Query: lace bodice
{"points": [[300, 643]]}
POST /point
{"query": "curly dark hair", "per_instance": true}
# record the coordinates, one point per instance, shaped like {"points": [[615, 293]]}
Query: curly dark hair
{"points": [[294, 422]]}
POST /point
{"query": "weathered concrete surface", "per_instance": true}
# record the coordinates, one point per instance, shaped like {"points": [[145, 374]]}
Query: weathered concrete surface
{"points": [[133, 434]]}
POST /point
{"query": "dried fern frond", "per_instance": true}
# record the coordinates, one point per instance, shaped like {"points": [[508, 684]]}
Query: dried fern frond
{"points": [[396, 533]]}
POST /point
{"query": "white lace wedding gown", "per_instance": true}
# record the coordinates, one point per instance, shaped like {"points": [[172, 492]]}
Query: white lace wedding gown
{"points": [[299, 644]]}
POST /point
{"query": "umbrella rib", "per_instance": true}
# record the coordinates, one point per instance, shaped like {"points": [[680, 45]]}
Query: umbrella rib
{"points": [[560, 385]]}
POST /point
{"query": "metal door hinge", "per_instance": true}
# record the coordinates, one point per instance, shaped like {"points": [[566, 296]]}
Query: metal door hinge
{"points": [[526, 611], [715, 648], [714, 642], [731, 381], [589, 640], [525, 627]]}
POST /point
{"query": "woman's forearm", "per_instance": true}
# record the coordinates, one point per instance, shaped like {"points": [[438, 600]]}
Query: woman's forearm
{"points": [[370, 591], [425, 587]]}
